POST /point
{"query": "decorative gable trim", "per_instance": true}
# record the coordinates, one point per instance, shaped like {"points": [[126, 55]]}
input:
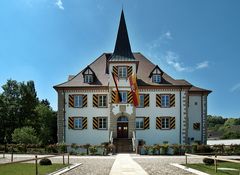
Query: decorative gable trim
{"points": [[156, 70]]}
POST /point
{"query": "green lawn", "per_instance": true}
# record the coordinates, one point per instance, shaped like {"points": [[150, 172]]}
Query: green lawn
{"points": [[211, 169], [28, 169]]}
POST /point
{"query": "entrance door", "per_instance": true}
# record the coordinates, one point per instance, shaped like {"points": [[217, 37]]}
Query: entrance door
{"points": [[122, 130]]}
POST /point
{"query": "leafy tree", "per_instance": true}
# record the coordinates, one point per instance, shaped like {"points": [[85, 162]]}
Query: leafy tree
{"points": [[10, 98], [48, 123], [231, 122], [28, 102], [231, 135], [25, 135], [215, 120], [20, 106]]}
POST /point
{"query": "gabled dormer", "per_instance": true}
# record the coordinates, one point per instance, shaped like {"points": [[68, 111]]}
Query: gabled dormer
{"points": [[88, 75], [156, 75]]}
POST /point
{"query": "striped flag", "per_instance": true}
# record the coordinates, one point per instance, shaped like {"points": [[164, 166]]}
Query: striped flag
{"points": [[134, 89], [119, 98]]}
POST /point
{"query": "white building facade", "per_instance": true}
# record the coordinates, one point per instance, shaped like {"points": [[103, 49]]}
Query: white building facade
{"points": [[169, 111]]}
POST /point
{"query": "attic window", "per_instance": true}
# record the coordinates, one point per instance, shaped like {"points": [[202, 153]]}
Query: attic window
{"points": [[122, 72], [88, 78], [156, 78]]}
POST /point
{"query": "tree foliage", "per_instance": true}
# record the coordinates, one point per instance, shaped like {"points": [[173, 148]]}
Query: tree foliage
{"points": [[229, 128], [25, 135], [20, 106]]}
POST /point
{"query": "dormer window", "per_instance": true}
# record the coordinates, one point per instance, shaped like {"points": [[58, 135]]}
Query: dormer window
{"points": [[122, 72], [156, 78], [88, 78], [88, 75], [156, 75]]}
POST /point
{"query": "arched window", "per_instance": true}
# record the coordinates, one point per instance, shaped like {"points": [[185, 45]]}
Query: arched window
{"points": [[122, 119]]}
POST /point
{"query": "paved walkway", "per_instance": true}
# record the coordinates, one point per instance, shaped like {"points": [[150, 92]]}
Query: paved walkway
{"points": [[124, 164]]}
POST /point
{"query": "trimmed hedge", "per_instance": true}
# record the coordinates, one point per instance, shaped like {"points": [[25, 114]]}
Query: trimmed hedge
{"points": [[208, 161], [45, 162]]}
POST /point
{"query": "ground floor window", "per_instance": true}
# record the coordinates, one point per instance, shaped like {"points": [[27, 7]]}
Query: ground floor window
{"points": [[77, 122], [139, 122], [102, 123], [165, 122]]}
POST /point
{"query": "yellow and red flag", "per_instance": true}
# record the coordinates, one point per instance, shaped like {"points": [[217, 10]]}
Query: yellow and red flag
{"points": [[118, 95], [134, 89]]}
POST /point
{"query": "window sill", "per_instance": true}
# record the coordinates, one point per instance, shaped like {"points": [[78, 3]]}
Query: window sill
{"points": [[102, 107]]}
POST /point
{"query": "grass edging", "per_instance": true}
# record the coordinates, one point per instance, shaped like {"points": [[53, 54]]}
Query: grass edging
{"points": [[189, 169], [66, 169]]}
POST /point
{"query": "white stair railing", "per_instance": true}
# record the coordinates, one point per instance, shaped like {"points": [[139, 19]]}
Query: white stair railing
{"points": [[111, 137], [134, 141]]}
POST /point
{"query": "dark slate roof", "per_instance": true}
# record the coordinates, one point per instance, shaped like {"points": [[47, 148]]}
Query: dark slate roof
{"points": [[145, 67], [122, 51]]}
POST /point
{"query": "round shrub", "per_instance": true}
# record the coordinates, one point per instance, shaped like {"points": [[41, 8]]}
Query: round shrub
{"points": [[208, 161], [45, 162]]}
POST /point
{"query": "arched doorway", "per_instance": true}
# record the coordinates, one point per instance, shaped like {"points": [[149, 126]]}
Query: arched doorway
{"points": [[122, 127]]}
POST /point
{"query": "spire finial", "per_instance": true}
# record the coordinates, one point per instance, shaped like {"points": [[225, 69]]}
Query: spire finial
{"points": [[122, 47]]}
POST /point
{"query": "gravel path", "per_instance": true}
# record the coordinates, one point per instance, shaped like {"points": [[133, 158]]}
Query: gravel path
{"points": [[92, 167], [161, 165]]}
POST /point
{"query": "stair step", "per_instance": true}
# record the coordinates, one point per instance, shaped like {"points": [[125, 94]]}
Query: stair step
{"points": [[123, 145]]}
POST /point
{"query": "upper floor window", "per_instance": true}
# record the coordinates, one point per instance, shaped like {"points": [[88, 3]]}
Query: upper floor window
{"points": [[139, 123], [141, 102], [165, 101], [123, 96], [88, 78], [156, 78], [77, 122], [78, 101], [102, 101], [165, 122], [102, 123], [122, 72]]}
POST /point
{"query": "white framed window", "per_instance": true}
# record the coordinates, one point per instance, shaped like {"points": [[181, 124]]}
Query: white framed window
{"points": [[139, 122], [122, 72], [165, 101], [141, 102], [78, 101], [123, 96], [102, 101], [77, 122], [165, 122], [88, 78], [102, 123], [156, 78]]}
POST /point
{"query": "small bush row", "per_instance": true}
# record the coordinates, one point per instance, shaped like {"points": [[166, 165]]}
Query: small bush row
{"points": [[175, 149], [106, 148]]}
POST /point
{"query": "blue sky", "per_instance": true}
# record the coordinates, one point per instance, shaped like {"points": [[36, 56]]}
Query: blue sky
{"points": [[46, 40]]}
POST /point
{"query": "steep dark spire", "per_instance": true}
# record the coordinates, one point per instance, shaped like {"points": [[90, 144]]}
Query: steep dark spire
{"points": [[122, 49]]}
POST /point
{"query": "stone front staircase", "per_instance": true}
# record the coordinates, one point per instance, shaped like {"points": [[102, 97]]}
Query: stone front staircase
{"points": [[123, 145]]}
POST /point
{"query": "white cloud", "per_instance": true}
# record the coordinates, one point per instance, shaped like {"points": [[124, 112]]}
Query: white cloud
{"points": [[236, 87], [162, 39], [173, 60], [202, 65], [167, 35], [59, 4]]}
